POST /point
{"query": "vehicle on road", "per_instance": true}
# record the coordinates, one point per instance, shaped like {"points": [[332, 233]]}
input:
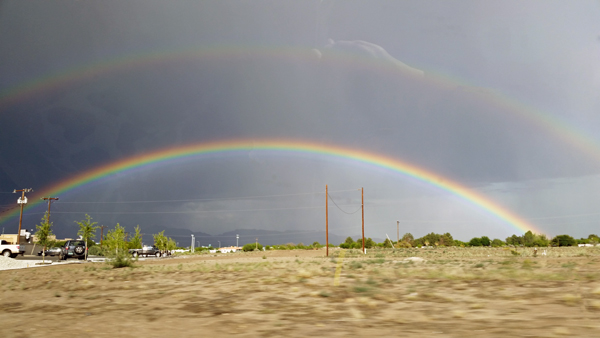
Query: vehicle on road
{"points": [[72, 249], [50, 252], [11, 250], [146, 250]]}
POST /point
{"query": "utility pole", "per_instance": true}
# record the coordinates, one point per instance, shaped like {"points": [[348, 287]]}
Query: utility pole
{"points": [[101, 235], [192, 249], [22, 201], [326, 221], [49, 199], [398, 231], [362, 203], [237, 241], [256, 247]]}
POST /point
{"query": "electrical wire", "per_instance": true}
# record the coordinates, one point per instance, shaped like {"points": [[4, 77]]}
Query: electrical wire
{"points": [[254, 236], [183, 212], [202, 199], [342, 210]]}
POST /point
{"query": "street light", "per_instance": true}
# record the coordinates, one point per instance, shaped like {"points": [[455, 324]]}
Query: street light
{"points": [[237, 240]]}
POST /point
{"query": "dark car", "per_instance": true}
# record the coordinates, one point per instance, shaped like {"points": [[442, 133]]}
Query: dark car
{"points": [[72, 249], [51, 252]]}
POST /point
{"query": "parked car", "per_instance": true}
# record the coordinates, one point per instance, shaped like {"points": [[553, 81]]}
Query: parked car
{"points": [[51, 252], [10, 250], [72, 249], [146, 250]]}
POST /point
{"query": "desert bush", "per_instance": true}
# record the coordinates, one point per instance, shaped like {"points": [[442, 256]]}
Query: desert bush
{"points": [[95, 251], [119, 259], [252, 247]]}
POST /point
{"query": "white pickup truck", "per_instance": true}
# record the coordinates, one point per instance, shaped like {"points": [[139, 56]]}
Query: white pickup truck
{"points": [[10, 250]]}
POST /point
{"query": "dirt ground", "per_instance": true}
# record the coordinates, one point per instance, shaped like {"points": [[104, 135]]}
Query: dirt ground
{"points": [[403, 293]]}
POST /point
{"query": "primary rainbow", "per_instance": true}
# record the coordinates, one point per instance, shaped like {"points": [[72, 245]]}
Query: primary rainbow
{"points": [[285, 147]]}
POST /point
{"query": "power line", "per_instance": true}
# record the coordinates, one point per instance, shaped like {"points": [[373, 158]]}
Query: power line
{"points": [[342, 210], [202, 199], [183, 212]]}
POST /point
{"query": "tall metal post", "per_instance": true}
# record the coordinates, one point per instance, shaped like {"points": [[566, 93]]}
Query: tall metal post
{"points": [[326, 221]]}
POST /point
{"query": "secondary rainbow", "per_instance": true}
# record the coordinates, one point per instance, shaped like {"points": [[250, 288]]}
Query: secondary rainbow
{"points": [[558, 128], [285, 147]]}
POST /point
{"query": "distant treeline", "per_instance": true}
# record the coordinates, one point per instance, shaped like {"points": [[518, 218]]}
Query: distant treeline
{"points": [[529, 239]]}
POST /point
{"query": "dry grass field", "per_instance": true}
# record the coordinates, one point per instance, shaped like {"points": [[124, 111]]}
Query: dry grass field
{"points": [[445, 292]]}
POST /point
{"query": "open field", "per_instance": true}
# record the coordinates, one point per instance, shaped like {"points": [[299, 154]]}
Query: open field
{"points": [[445, 292]]}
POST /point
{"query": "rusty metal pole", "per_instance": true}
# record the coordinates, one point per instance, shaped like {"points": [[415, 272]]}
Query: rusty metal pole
{"points": [[326, 220], [362, 204]]}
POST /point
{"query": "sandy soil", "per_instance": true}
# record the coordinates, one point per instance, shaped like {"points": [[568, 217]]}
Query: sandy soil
{"points": [[444, 293]]}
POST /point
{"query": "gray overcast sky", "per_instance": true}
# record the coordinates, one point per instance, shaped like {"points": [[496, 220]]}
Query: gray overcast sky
{"points": [[484, 69]]}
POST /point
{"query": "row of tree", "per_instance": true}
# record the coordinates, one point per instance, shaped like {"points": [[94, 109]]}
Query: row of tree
{"points": [[116, 242]]}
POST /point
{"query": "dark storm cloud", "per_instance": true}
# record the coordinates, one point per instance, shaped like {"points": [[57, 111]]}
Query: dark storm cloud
{"points": [[386, 100]]}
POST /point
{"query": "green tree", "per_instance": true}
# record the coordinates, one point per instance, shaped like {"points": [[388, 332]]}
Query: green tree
{"points": [[497, 243], [563, 240], [115, 239], [387, 243], [136, 240], [460, 243], [116, 248], [514, 240], [369, 243], [475, 241], [528, 238], [161, 241], [87, 231], [348, 243], [446, 239], [408, 237], [485, 241], [44, 234], [541, 240], [171, 244], [431, 239]]}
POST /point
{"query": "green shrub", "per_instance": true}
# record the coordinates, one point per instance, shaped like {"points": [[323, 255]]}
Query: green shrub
{"points": [[119, 259], [95, 251], [252, 247]]}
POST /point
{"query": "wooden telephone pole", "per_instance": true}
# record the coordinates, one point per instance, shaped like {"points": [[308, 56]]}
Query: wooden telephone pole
{"points": [[49, 199], [398, 232], [326, 220], [22, 201], [362, 205], [101, 235]]}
